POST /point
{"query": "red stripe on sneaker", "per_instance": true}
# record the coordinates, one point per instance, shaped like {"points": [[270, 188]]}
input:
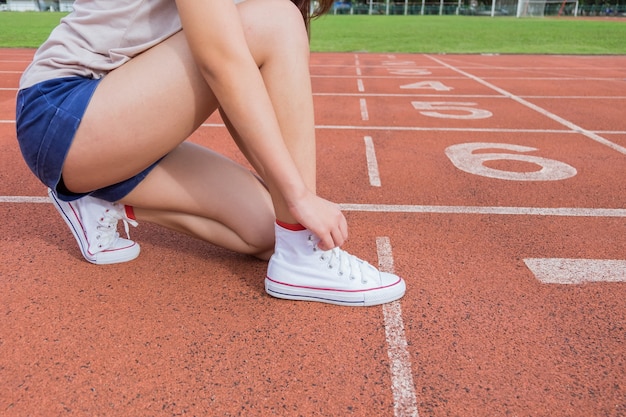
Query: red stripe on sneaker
{"points": [[130, 212], [289, 226], [334, 289]]}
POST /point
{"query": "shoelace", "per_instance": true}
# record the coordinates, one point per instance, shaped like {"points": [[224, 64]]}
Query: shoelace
{"points": [[342, 261], [107, 227]]}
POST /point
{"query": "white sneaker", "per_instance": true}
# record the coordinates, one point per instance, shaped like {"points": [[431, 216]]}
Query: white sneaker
{"points": [[93, 222], [299, 270]]}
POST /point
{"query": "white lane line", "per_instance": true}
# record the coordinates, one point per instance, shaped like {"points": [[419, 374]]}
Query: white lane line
{"points": [[360, 86], [422, 129], [578, 97], [23, 199], [405, 208], [591, 135], [455, 77], [357, 64], [439, 129], [372, 162], [402, 95], [576, 271], [490, 96], [525, 211], [364, 114], [402, 385]]}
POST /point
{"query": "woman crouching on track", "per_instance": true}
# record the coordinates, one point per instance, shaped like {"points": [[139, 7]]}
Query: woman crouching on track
{"points": [[104, 111]]}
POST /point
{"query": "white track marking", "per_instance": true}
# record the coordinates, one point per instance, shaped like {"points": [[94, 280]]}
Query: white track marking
{"points": [[364, 114], [372, 162], [440, 129], [540, 110], [490, 96], [576, 271], [402, 386], [405, 208], [419, 129], [23, 199], [578, 97], [454, 77], [402, 95], [357, 64], [359, 85], [523, 211]]}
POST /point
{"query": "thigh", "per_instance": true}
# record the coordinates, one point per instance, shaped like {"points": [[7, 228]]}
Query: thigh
{"points": [[138, 113], [147, 107]]}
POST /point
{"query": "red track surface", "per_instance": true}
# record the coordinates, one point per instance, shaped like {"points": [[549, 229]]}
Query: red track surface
{"points": [[186, 329]]}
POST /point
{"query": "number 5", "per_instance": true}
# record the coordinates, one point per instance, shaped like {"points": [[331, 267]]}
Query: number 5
{"points": [[434, 109]]}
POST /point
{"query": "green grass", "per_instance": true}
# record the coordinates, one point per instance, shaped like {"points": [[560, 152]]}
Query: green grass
{"points": [[468, 34], [26, 29], [418, 34]]}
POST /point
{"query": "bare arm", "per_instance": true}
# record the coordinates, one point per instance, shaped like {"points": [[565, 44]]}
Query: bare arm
{"points": [[214, 31]]}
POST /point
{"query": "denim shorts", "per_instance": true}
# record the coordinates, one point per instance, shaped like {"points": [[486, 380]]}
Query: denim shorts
{"points": [[47, 117]]}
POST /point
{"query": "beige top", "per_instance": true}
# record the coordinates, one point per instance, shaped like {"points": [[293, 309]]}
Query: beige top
{"points": [[99, 36]]}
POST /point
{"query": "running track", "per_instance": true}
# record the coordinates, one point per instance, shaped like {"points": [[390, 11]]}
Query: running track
{"points": [[496, 185]]}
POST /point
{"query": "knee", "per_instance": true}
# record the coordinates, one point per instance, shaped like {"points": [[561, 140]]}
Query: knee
{"points": [[276, 23]]}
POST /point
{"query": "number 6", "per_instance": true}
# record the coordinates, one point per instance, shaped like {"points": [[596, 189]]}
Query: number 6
{"points": [[463, 158]]}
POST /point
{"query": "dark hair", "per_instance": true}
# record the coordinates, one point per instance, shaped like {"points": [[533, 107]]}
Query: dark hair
{"points": [[322, 6]]}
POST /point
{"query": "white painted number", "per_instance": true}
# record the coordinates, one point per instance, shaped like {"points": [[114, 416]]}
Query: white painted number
{"points": [[428, 85], [408, 71], [577, 271], [398, 63], [464, 158], [450, 110]]}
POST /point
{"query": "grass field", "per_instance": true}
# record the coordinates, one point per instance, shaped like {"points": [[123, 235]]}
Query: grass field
{"points": [[416, 34], [468, 34]]}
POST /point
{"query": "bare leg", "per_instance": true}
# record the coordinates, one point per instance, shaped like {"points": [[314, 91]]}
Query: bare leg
{"points": [[225, 205], [195, 191], [154, 114]]}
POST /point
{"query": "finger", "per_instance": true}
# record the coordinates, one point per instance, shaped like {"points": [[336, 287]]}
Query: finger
{"points": [[343, 226], [326, 242], [337, 237]]}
